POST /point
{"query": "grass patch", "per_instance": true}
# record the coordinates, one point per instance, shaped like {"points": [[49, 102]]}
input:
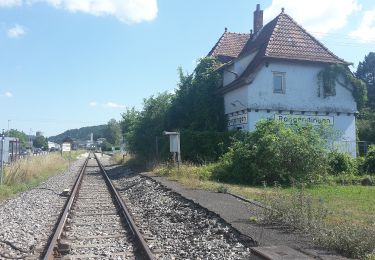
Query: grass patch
{"points": [[31, 171], [337, 217], [119, 158]]}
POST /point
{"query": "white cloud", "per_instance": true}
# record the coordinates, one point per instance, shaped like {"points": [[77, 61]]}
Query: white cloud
{"points": [[8, 94], [114, 105], [109, 104], [10, 3], [16, 31], [318, 16], [366, 30], [127, 11]]}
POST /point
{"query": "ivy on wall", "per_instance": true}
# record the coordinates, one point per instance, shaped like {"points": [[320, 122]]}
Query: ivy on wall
{"points": [[328, 77]]}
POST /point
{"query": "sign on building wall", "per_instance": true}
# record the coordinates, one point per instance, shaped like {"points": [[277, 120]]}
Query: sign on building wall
{"points": [[304, 119], [237, 120]]}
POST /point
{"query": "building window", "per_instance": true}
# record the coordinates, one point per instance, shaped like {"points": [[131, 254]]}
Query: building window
{"points": [[279, 82], [329, 90]]}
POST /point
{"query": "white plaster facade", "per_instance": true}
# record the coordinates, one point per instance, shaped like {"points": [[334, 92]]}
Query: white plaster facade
{"points": [[301, 96]]}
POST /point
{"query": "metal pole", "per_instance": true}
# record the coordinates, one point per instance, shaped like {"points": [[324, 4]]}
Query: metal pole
{"points": [[157, 148], [179, 148], [2, 157]]}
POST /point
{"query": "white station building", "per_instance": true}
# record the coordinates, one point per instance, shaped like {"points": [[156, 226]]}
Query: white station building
{"points": [[273, 73]]}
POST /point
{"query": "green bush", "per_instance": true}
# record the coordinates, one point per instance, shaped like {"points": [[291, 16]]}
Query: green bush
{"points": [[204, 146], [106, 146], [274, 153], [360, 161], [342, 163], [369, 164]]}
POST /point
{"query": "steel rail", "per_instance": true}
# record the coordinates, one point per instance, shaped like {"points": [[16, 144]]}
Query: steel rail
{"points": [[146, 252], [53, 243]]}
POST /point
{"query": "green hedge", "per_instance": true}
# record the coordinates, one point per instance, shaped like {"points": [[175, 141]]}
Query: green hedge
{"points": [[204, 146]]}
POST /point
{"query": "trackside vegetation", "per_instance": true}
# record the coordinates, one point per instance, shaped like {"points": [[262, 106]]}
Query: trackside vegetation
{"points": [[31, 171], [309, 187], [294, 169]]}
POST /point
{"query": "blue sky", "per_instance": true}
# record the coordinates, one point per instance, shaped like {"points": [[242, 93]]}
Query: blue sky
{"points": [[71, 63]]}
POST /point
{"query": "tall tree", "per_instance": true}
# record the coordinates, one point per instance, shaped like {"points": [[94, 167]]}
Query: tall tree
{"points": [[128, 124], [197, 104], [151, 123], [113, 132], [366, 72], [20, 135], [40, 142]]}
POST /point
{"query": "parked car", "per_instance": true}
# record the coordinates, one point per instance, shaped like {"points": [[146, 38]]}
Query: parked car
{"points": [[24, 152], [37, 150]]}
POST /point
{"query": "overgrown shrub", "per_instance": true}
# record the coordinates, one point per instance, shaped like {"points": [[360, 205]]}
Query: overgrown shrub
{"points": [[298, 211], [106, 146], [369, 164], [347, 239], [274, 153], [342, 163], [204, 146], [360, 161]]}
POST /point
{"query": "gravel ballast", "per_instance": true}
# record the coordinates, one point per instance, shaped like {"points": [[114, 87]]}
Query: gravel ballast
{"points": [[177, 228], [27, 220]]}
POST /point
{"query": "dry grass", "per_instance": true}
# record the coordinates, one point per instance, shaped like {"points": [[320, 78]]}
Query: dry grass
{"points": [[119, 158], [29, 172], [337, 217]]}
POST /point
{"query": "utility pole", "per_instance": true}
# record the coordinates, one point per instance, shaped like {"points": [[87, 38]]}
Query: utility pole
{"points": [[2, 157], [9, 125], [30, 140]]}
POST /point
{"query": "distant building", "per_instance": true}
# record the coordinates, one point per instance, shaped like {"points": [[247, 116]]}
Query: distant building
{"points": [[52, 145], [101, 140], [273, 73]]}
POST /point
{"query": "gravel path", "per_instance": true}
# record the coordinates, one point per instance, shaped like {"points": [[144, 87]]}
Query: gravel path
{"points": [[175, 227], [27, 220]]}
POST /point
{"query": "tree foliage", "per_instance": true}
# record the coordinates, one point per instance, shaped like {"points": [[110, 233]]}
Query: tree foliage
{"points": [[23, 138], [142, 128], [40, 142], [195, 106], [274, 153], [82, 133], [366, 117], [204, 146], [113, 132], [369, 164], [366, 72]]}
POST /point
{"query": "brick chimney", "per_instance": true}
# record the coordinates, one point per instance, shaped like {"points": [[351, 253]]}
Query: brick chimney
{"points": [[258, 19]]}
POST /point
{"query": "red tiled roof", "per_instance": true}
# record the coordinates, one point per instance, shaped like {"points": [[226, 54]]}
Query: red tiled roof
{"points": [[229, 46], [280, 38], [283, 38], [290, 41]]}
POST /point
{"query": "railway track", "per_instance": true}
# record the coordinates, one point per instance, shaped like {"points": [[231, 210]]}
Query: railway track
{"points": [[95, 223]]}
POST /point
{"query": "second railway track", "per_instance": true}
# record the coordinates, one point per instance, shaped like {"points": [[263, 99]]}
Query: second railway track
{"points": [[95, 223]]}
